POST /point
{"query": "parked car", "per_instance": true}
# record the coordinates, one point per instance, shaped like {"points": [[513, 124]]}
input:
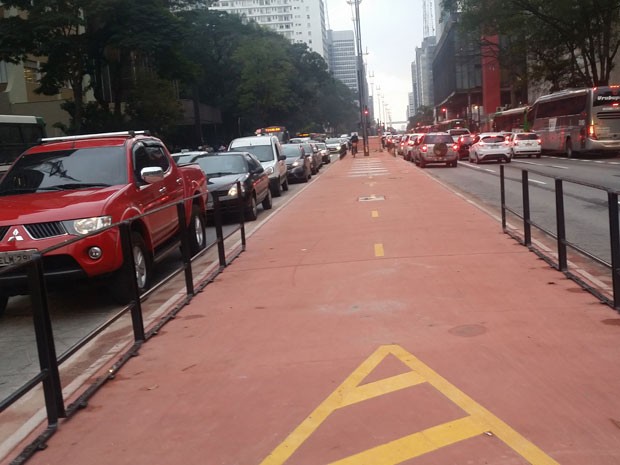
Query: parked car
{"points": [[70, 187], [489, 146], [185, 157], [463, 143], [434, 148], [525, 144], [334, 144], [298, 163], [324, 151], [224, 170], [269, 152], [316, 159]]}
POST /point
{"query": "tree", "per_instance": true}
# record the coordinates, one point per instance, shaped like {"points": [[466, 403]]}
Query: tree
{"points": [[423, 117], [56, 31]]}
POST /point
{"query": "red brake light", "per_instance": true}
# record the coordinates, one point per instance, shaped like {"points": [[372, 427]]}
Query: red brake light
{"points": [[424, 148], [591, 132], [455, 147]]}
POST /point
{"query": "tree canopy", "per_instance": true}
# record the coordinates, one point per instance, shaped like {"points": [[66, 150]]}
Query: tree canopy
{"points": [[128, 52]]}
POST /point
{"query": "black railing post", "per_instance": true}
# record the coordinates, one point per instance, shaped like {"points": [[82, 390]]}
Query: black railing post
{"points": [[614, 236], [185, 248], [527, 228], [502, 188], [129, 268], [560, 225], [241, 216], [219, 233], [46, 349]]}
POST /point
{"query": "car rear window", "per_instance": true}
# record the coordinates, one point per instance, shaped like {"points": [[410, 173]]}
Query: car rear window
{"points": [[493, 139], [438, 139], [262, 152], [527, 136], [458, 132]]}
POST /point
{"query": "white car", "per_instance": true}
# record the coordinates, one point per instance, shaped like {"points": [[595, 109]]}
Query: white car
{"points": [[269, 152], [490, 146], [525, 144]]}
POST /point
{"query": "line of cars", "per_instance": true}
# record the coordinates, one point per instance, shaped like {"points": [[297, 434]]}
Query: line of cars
{"points": [[261, 165], [458, 144]]}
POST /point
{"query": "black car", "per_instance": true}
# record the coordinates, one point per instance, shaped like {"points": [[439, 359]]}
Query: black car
{"points": [[298, 162], [223, 170], [463, 143]]}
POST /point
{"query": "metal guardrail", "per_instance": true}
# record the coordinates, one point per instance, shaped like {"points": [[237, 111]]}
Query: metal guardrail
{"points": [[563, 245], [49, 362]]}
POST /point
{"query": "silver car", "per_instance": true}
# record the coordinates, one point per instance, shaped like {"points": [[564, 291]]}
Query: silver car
{"points": [[434, 148]]}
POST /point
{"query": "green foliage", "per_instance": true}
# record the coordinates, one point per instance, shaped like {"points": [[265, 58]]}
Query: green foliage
{"points": [[130, 52], [424, 116]]}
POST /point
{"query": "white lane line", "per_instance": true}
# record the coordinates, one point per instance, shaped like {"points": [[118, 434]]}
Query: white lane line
{"points": [[558, 167], [537, 182], [490, 170]]}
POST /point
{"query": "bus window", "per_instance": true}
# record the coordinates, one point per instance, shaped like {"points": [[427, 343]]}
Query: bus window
{"points": [[18, 133]]}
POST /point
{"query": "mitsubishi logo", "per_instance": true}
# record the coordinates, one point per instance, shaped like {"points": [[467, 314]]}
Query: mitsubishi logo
{"points": [[15, 236]]}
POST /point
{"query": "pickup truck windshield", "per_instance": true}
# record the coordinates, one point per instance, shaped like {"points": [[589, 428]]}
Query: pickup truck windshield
{"points": [[66, 169]]}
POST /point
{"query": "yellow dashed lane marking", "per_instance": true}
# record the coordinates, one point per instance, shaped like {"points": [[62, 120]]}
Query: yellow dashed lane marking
{"points": [[374, 214], [379, 250], [478, 421]]}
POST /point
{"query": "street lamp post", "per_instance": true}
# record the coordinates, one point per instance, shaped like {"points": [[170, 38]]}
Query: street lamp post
{"points": [[360, 77]]}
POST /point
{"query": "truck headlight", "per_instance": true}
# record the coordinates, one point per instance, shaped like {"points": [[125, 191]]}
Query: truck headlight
{"points": [[85, 226]]}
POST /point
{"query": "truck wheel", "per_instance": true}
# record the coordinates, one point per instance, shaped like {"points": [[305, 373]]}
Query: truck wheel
{"points": [[267, 201], [120, 288], [4, 300], [251, 211], [196, 230]]}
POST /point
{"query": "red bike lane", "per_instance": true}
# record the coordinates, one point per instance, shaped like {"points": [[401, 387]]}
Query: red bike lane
{"points": [[378, 318]]}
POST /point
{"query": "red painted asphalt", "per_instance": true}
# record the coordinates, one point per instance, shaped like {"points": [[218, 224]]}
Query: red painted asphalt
{"points": [[362, 332]]}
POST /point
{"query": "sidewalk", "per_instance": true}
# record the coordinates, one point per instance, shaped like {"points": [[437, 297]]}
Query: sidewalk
{"points": [[377, 319]]}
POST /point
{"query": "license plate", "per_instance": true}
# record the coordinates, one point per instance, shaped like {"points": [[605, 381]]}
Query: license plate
{"points": [[19, 256]]}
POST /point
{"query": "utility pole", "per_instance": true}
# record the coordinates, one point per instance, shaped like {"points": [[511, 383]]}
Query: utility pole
{"points": [[360, 76]]}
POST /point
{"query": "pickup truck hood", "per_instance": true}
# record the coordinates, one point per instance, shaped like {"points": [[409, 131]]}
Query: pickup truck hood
{"points": [[55, 206]]}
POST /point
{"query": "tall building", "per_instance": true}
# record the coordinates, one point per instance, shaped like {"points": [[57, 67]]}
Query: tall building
{"points": [[342, 58], [424, 60], [300, 21], [414, 99], [411, 108]]}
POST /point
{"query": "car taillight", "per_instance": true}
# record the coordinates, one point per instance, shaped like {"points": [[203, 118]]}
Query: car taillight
{"points": [[591, 132], [455, 147], [424, 148], [539, 141]]}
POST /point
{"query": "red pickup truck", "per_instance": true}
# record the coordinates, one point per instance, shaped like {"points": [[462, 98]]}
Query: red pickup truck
{"points": [[68, 187]]}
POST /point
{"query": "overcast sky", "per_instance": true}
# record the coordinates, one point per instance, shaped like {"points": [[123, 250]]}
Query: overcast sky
{"points": [[391, 30]]}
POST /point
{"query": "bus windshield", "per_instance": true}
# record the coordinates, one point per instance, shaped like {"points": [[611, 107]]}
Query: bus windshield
{"points": [[18, 133]]}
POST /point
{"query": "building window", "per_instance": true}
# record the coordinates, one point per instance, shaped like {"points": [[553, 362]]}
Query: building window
{"points": [[31, 71]]}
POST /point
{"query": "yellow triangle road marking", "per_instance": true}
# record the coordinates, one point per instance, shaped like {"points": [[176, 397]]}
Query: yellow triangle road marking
{"points": [[352, 391]]}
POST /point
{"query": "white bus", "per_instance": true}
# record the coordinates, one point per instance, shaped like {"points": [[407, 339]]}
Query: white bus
{"points": [[579, 121], [17, 133]]}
